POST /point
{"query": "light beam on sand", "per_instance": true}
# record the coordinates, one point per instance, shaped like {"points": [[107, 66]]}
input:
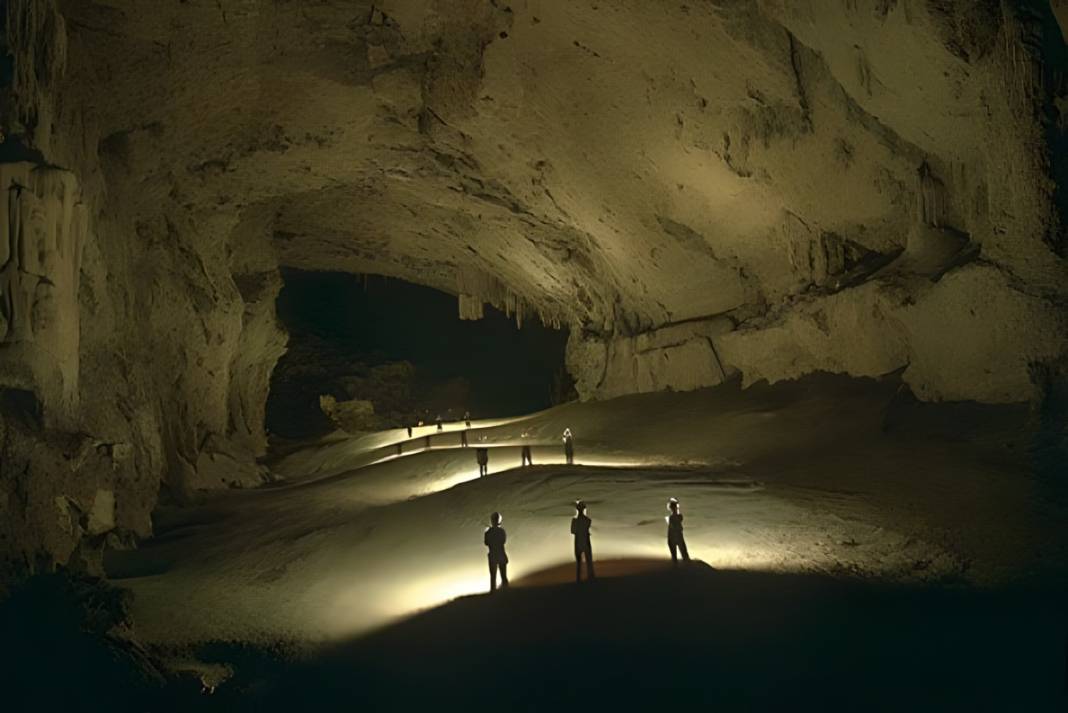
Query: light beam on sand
{"points": [[355, 606], [432, 591]]}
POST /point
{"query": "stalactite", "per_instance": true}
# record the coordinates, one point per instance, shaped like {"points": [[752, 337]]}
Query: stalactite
{"points": [[470, 307], [932, 197], [43, 229], [475, 289]]}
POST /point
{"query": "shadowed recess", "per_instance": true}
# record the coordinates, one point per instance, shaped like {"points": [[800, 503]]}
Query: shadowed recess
{"points": [[403, 347]]}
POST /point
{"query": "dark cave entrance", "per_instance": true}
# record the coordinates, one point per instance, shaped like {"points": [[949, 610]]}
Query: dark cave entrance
{"points": [[403, 348]]}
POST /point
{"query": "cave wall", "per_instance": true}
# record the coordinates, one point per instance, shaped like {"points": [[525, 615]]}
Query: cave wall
{"points": [[43, 225], [758, 189], [964, 286], [137, 336]]}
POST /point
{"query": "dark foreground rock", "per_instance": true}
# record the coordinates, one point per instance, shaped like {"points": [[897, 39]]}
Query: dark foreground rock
{"points": [[700, 639], [641, 638], [67, 645]]}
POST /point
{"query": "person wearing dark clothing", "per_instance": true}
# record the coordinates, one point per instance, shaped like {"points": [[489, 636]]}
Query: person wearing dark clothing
{"points": [[676, 541], [527, 460], [463, 439], [467, 419], [409, 431], [495, 538], [427, 440], [580, 528], [482, 456], [438, 421], [569, 446]]}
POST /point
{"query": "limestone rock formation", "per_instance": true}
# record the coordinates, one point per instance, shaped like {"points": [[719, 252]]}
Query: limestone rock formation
{"points": [[696, 190], [352, 416], [43, 225]]}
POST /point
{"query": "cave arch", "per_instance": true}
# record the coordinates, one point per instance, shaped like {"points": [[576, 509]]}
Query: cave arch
{"points": [[403, 348]]}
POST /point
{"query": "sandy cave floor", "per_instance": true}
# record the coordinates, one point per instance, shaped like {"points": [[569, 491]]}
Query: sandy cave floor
{"points": [[826, 477], [812, 476]]}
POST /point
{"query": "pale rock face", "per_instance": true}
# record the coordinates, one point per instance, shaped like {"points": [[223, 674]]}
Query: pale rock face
{"points": [[853, 333], [102, 516], [680, 357], [763, 188], [43, 228], [981, 338]]}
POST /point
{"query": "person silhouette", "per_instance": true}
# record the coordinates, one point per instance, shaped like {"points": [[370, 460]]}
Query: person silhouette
{"points": [[569, 446], [495, 538], [580, 528], [438, 421], [463, 438], [676, 541], [527, 460], [409, 431], [467, 419], [482, 456]]}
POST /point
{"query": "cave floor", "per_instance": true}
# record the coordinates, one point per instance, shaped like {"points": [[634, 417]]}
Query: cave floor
{"points": [[646, 637], [828, 477]]}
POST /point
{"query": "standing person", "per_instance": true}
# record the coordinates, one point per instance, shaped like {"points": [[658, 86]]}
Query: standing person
{"points": [[495, 538], [409, 431], [527, 460], [580, 528], [438, 421], [482, 456], [569, 446], [676, 541], [467, 418], [463, 439]]}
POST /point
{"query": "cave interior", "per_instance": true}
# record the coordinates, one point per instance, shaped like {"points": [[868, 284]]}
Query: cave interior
{"points": [[298, 299]]}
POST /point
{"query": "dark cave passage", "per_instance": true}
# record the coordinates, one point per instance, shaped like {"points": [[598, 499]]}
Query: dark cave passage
{"points": [[403, 348]]}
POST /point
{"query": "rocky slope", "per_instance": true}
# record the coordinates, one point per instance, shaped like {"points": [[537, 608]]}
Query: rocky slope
{"points": [[696, 190]]}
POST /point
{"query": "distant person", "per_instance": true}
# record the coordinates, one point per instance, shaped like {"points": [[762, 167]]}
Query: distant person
{"points": [[495, 538], [569, 446], [467, 419], [676, 541], [527, 460], [426, 440], [400, 447], [438, 421], [409, 431], [580, 528], [482, 456], [463, 438]]}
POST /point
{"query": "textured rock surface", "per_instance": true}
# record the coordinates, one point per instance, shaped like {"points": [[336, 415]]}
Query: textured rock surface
{"points": [[764, 187], [43, 227]]}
